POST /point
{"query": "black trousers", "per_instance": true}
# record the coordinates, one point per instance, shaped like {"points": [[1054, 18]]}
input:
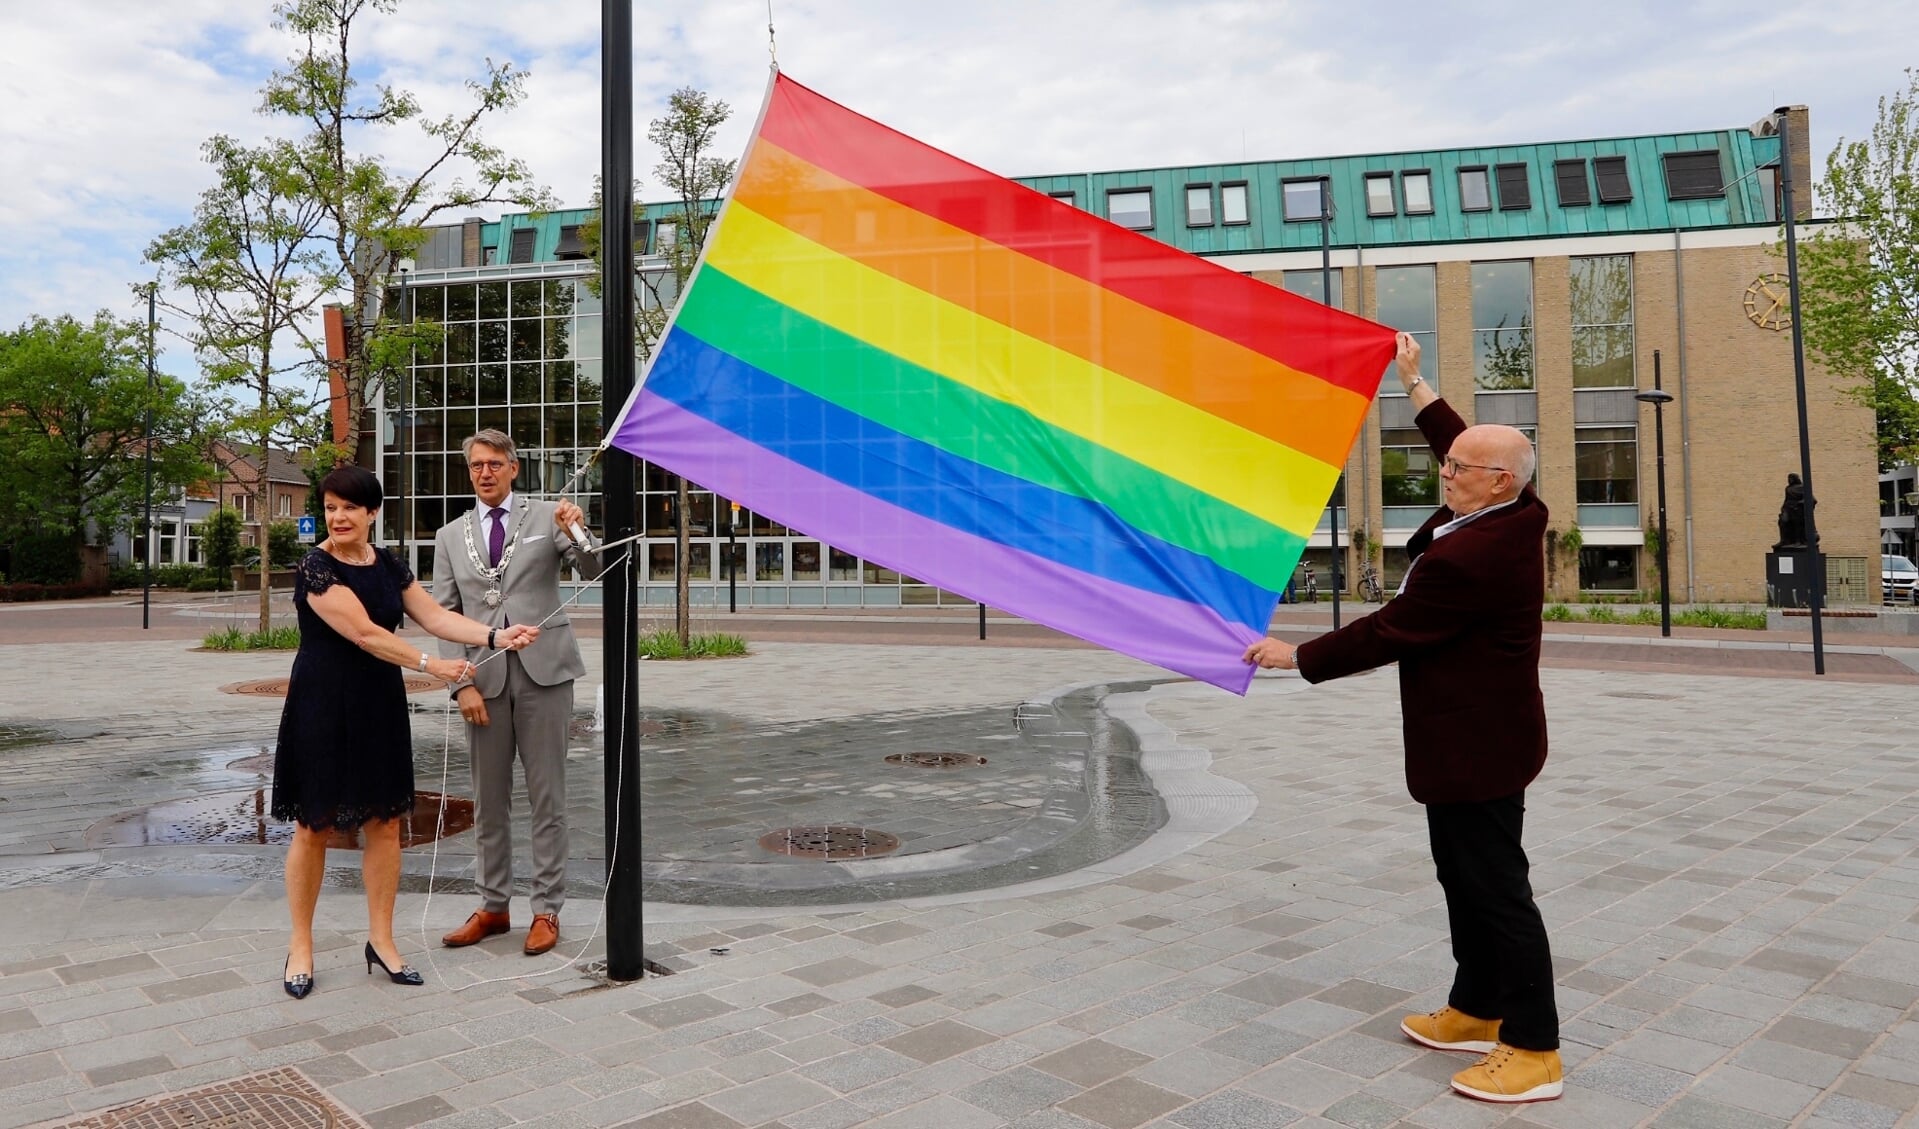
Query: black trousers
{"points": [[1499, 939]]}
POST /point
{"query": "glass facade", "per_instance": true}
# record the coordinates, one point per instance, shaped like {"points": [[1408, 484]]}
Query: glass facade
{"points": [[522, 354]]}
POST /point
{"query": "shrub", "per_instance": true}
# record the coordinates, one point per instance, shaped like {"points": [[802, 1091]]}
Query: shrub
{"points": [[663, 643], [29, 592], [46, 558], [220, 540], [204, 583], [283, 544], [1558, 613], [284, 638]]}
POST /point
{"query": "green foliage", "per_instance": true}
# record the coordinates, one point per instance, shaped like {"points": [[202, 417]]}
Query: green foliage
{"points": [[1859, 280], [371, 216], [283, 543], [1649, 616], [1572, 540], [42, 557], [661, 643], [73, 402], [284, 638], [220, 541]]}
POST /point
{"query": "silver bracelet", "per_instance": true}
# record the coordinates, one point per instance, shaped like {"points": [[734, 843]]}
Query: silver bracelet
{"points": [[422, 662]]}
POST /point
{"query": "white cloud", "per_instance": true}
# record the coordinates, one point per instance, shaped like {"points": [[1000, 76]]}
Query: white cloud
{"points": [[103, 130]]}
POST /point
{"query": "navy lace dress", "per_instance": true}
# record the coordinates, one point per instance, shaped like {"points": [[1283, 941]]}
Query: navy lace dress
{"points": [[346, 749]]}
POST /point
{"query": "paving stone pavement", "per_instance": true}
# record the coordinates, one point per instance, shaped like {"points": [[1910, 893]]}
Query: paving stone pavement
{"points": [[1726, 863]]}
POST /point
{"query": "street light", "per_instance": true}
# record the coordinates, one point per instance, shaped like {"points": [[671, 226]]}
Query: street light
{"points": [[1326, 297], [400, 417], [146, 432], [1659, 398]]}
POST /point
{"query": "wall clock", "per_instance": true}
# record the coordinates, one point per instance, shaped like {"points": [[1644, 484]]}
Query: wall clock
{"points": [[1769, 302]]}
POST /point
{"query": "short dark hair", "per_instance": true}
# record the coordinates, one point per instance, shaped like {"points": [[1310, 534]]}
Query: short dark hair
{"points": [[354, 484]]}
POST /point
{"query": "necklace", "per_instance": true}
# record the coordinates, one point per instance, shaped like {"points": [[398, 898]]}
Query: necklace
{"points": [[490, 575], [369, 557]]}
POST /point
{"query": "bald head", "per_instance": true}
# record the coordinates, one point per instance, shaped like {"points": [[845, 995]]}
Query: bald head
{"points": [[1487, 465]]}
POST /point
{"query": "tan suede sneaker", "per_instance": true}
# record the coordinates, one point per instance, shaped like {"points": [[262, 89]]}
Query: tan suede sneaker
{"points": [[1450, 1029], [1509, 1074]]}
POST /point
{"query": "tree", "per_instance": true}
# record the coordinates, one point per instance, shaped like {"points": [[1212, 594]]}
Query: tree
{"points": [[1859, 278], [73, 402], [220, 543], [251, 273], [684, 136], [371, 216]]}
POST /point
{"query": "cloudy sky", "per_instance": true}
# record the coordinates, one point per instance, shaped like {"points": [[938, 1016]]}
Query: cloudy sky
{"points": [[107, 101]]}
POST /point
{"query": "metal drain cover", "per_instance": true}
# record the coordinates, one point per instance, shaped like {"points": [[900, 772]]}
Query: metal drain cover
{"points": [[830, 841], [276, 1099], [936, 760], [277, 687]]}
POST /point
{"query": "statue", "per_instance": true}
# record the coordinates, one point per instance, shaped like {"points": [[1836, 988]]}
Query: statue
{"points": [[1792, 516]]}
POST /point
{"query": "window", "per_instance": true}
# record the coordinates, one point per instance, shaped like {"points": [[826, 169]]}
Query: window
{"points": [[1312, 284], [1767, 177], [1694, 176], [1615, 185], [1612, 568], [1574, 189], [1474, 194], [521, 250], [1379, 194], [1606, 464], [1515, 190], [1199, 205], [665, 234], [1408, 473], [570, 246], [1130, 207], [1232, 204], [639, 235], [283, 506], [1416, 189], [1503, 326], [1305, 198], [1067, 197], [1409, 302], [1602, 321]]}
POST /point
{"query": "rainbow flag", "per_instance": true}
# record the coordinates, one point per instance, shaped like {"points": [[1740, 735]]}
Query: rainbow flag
{"points": [[987, 389]]}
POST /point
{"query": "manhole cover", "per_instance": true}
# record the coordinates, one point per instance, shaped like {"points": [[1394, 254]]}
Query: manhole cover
{"points": [[244, 817], [276, 1099], [936, 760], [829, 842], [277, 687]]}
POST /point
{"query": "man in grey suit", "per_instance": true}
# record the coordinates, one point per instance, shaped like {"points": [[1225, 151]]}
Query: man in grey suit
{"points": [[500, 564]]}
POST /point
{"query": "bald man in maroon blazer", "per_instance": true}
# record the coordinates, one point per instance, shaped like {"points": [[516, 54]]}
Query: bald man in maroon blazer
{"points": [[1465, 631]]}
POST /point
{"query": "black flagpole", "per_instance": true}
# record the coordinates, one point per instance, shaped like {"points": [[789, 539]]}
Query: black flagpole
{"points": [[1814, 559], [625, 959]]}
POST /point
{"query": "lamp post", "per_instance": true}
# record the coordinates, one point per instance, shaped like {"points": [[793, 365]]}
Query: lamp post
{"points": [[1815, 559], [146, 432], [1659, 398], [400, 415], [1326, 298]]}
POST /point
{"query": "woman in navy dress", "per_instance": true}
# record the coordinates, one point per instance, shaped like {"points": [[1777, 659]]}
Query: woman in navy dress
{"points": [[345, 756]]}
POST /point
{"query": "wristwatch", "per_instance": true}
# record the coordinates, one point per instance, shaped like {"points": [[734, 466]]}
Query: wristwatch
{"points": [[489, 638]]}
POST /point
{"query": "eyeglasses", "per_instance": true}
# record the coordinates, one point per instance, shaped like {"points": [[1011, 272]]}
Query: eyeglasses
{"points": [[494, 465], [1455, 466]]}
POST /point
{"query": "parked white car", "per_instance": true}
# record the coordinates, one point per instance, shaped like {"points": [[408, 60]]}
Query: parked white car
{"points": [[1898, 580]]}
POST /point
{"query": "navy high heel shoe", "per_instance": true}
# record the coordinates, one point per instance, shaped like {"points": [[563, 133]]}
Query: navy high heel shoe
{"points": [[296, 986], [403, 975]]}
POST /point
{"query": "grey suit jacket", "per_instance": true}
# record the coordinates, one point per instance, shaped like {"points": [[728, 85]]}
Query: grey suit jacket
{"points": [[530, 591]]}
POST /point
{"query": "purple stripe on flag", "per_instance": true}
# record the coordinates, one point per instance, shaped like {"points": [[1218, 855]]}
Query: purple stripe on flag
{"points": [[1185, 637]]}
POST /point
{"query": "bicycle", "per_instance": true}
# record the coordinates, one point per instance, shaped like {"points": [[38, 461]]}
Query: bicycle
{"points": [[1370, 589], [1310, 587]]}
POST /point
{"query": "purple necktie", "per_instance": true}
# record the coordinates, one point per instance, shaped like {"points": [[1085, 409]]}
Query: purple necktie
{"points": [[496, 538]]}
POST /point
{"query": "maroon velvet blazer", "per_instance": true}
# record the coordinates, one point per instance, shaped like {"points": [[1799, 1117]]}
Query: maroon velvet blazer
{"points": [[1465, 633]]}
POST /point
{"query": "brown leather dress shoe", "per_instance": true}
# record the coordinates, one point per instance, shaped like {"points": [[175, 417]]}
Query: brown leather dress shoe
{"points": [[483, 924], [543, 934]]}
